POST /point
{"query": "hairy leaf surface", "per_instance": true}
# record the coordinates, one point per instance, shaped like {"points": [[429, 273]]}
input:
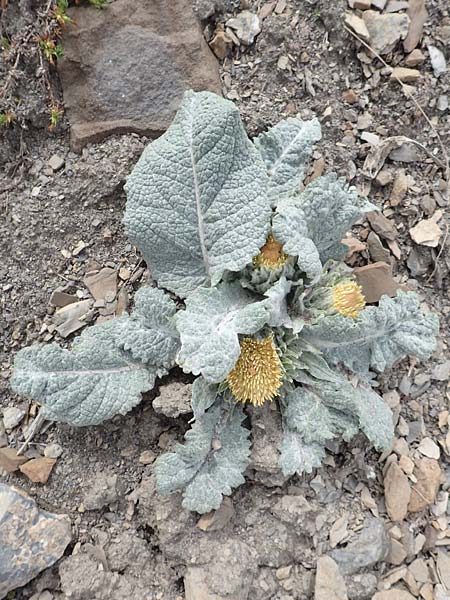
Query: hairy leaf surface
{"points": [[290, 228], [379, 337], [204, 395], [286, 149], [211, 462], [85, 386], [298, 456], [330, 207], [210, 325], [197, 199]]}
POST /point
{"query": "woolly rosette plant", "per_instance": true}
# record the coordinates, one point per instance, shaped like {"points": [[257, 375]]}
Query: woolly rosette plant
{"points": [[267, 310]]}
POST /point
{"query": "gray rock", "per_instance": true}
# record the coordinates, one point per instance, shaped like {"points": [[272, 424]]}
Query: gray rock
{"points": [[12, 416], [174, 399], [370, 547], [361, 586], [385, 30], [207, 8], [126, 70], [437, 61], [441, 372], [56, 162], [30, 539], [376, 249]]}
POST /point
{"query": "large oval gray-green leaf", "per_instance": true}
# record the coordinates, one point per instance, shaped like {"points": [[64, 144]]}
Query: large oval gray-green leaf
{"points": [[197, 199]]}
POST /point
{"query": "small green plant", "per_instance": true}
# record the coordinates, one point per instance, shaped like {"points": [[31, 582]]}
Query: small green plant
{"points": [[6, 118], [270, 314], [50, 47], [56, 113], [60, 15]]}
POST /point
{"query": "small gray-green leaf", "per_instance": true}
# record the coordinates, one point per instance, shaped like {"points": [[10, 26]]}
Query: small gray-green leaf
{"points": [[330, 207], [210, 325], [85, 386], [290, 228], [197, 199], [286, 149], [379, 337], [297, 456], [211, 462], [204, 395], [149, 333]]}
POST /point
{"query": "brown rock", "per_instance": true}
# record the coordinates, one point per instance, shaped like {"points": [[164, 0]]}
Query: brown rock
{"points": [[417, 57], [100, 283], [9, 461], [354, 246], [383, 178], [376, 279], [221, 44], [423, 493], [397, 492], [405, 75], [426, 233], [330, 584], [217, 519], [350, 96], [38, 469], [362, 4], [399, 188], [417, 14], [381, 225], [61, 299], [126, 71], [378, 253]]}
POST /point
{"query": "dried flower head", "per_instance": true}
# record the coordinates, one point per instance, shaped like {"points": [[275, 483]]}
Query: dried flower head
{"points": [[348, 299], [257, 375], [271, 255]]}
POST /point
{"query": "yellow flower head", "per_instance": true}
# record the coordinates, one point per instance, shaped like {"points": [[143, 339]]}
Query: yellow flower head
{"points": [[271, 255], [257, 375], [348, 299]]}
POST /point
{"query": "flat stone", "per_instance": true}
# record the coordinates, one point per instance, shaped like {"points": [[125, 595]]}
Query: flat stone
{"points": [[99, 283], [397, 492], [426, 233], [419, 570], [385, 30], [38, 469], [61, 299], [397, 5], [9, 461], [399, 188], [246, 26], [441, 372], [443, 567], [415, 58], [370, 547], [53, 451], [376, 280], [429, 448], [438, 61], [384, 178], [394, 594], [221, 44], [397, 554], [362, 4], [330, 584], [405, 75], [380, 4], [428, 475], [126, 70], [12, 415], [31, 540], [378, 253], [417, 14], [357, 25], [381, 225], [56, 162], [174, 400]]}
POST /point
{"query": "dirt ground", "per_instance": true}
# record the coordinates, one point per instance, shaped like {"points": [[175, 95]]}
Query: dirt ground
{"points": [[128, 542]]}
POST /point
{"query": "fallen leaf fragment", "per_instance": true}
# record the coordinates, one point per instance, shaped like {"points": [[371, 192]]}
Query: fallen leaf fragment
{"points": [[426, 233], [38, 469]]}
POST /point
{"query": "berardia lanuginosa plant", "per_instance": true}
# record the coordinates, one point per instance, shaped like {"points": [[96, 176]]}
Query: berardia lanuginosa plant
{"points": [[270, 312]]}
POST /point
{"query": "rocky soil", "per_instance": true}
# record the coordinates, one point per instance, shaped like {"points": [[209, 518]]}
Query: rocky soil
{"points": [[364, 526]]}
